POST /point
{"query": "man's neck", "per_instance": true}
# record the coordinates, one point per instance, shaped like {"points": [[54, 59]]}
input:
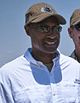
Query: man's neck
{"points": [[45, 58], [77, 53]]}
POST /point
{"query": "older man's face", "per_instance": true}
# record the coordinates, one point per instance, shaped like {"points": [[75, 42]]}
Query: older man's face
{"points": [[75, 35]]}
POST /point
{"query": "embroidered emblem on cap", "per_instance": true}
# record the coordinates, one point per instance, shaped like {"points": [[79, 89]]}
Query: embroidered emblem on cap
{"points": [[46, 9]]}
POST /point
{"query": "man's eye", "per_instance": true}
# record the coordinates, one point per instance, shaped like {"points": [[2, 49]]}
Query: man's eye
{"points": [[44, 27]]}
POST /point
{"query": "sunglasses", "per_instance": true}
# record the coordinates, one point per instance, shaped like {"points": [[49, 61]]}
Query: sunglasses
{"points": [[46, 29], [77, 26]]}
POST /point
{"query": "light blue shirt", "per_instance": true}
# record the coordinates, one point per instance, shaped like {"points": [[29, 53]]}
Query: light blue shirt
{"points": [[25, 80]]}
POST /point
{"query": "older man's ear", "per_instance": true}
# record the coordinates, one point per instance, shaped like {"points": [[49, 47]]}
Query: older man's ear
{"points": [[26, 29], [70, 32]]}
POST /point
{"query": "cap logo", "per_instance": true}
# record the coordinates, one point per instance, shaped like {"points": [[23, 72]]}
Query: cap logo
{"points": [[46, 9]]}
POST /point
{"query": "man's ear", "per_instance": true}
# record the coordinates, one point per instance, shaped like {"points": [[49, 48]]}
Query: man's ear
{"points": [[26, 29], [70, 32]]}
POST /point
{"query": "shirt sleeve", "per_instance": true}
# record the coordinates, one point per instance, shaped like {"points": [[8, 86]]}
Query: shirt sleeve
{"points": [[5, 90]]}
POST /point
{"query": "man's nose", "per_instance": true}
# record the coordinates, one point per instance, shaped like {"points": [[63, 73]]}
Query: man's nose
{"points": [[51, 30]]}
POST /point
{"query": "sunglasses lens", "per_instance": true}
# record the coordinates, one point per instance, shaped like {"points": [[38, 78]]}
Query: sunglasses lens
{"points": [[77, 26], [46, 28], [59, 29]]}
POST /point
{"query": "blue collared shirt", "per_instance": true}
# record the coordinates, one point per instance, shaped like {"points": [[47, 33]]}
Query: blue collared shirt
{"points": [[25, 80]]}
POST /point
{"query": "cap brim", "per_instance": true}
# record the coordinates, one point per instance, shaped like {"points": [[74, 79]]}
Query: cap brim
{"points": [[43, 16], [78, 20]]}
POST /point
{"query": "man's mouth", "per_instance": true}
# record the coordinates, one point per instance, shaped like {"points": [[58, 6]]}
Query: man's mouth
{"points": [[50, 40]]}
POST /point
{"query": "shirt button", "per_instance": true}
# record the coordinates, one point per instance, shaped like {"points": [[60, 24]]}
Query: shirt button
{"points": [[53, 94]]}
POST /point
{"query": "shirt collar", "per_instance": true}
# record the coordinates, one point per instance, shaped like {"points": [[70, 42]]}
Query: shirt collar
{"points": [[29, 57], [73, 55]]}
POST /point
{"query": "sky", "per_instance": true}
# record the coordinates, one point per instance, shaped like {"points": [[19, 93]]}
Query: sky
{"points": [[13, 39]]}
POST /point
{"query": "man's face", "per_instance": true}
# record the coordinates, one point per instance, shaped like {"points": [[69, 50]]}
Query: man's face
{"points": [[75, 35], [45, 36]]}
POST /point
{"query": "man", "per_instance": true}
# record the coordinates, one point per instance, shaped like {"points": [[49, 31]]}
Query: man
{"points": [[74, 32], [42, 74]]}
